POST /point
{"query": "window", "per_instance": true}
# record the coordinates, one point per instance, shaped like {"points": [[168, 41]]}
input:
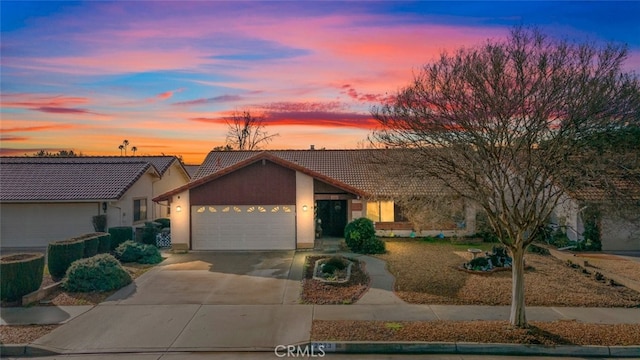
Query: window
{"points": [[380, 211], [398, 214], [139, 209]]}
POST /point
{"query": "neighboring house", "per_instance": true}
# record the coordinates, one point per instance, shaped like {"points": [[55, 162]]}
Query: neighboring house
{"points": [[192, 169], [252, 200], [618, 232], [48, 199]]}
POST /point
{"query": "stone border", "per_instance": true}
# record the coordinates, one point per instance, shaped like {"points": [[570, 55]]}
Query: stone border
{"points": [[315, 271], [40, 293]]}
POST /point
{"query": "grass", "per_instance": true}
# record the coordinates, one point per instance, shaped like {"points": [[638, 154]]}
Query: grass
{"points": [[426, 273]]}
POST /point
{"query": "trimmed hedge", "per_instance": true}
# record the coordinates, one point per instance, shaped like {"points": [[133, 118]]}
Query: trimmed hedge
{"points": [[120, 234], [61, 254], [360, 236], [104, 243], [91, 246], [21, 275], [150, 231], [164, 222], [131, 251], [99, 273]]}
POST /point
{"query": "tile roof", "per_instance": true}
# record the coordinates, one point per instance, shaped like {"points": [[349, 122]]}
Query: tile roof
{"points": [[62, 179], [160, 163], [353, 168]]}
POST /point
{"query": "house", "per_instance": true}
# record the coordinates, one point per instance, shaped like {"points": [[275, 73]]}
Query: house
{"points": [[619, 229], [267, 200], [48, 199]]}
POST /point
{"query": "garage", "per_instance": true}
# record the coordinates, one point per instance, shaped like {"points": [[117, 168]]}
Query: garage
{"points": [[243, 227]]}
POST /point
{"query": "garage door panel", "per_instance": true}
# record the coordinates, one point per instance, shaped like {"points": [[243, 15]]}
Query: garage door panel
{"points": [[235, 227]]}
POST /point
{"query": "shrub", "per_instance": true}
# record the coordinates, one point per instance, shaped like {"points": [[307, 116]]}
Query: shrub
{"points": [[333, 264], [149, 232], [120, 234], [131, 251], [91, 245], [360, 236], [479, 262], [21, 274], [104, 243], [164, 222], [99, 273], [61, 254]]}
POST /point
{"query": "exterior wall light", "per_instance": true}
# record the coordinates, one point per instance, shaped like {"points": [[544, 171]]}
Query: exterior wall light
{"points": [[305, 208], [178, 208]]}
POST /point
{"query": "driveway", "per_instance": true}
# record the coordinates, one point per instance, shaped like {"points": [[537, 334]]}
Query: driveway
{"points": [[221, 278]]}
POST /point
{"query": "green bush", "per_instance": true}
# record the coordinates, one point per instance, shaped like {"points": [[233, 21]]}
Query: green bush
{"points": [[360, 236], [131, 251], [164, 222], [21, 274], [104, 243], [149, 232], [61, 254], [99, 273], [91, 245], [120, 234], [333, 264]]}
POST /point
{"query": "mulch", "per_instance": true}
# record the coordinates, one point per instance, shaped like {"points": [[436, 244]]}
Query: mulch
{"points": [[321, 293]]}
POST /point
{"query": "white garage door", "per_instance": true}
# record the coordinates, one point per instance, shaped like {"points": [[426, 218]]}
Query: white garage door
{"points": [[241, 227]]}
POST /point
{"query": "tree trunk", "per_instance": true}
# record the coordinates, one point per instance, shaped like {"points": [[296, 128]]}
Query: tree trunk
{"points": [[518, 316]]}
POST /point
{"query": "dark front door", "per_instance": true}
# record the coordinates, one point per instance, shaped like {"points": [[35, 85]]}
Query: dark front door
{"points": [[333, 214]]}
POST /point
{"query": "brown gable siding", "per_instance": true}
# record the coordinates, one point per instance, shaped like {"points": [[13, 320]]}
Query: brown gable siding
{"points": [[261, 183]]}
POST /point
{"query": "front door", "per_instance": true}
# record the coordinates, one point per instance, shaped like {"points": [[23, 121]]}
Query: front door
{"points": [[333, 217]]}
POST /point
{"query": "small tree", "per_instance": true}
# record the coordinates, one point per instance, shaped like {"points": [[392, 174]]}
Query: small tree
{"points": [[247, 132], [503, 125]]}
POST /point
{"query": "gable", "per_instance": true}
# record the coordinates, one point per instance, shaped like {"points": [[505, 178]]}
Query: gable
{"points": [[260, 183]]}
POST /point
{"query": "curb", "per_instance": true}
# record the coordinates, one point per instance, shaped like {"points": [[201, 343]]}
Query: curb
{"points": [[25, 350], [355, 347]]}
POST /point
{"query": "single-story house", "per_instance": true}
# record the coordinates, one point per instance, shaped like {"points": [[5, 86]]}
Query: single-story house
{"points": [[47, 199], [267, 200], [619, 230]]}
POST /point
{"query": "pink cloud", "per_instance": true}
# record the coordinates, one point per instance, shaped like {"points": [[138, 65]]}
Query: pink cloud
{"points": [[213, 100]]}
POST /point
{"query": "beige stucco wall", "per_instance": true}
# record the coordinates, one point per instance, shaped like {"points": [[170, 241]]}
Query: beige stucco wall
{"points": [[35, 225], [120, 212], [180, 220], [305, 230], [173, 178]]}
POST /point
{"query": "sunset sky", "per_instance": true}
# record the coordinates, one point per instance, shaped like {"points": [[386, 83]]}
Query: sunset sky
{"points": [[164, 75]]}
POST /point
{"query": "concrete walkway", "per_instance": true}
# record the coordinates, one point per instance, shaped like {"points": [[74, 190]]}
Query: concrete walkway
{"points": [[122, 327]]}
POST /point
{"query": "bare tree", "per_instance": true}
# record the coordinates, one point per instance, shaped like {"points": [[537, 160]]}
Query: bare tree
{"points": [[503, 125], [247, 132]]}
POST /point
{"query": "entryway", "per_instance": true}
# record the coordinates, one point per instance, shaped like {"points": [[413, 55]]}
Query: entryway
{"points": [[333, 217]]}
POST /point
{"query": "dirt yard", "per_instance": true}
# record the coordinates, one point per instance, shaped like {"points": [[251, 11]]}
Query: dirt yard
{"points": [[547, 333], [426, 273]]}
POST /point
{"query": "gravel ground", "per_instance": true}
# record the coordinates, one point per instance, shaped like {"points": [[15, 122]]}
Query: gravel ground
{"points": [[320, 293], [547, 333], [615, 264], [23, 334], [426, 273]]}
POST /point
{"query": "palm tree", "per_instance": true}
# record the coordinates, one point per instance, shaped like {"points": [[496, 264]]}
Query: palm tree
{"points": [[121, 147], [125, 143], [134, 149]]}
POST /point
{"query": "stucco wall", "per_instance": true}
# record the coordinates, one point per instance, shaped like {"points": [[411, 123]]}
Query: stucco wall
{"points": [[173, 178], [305, 231], [120, 213], [619, 234], [180, 220], [35, 225]]}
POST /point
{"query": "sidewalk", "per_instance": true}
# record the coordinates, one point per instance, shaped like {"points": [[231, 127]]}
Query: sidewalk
{"points": [[109, 328]]}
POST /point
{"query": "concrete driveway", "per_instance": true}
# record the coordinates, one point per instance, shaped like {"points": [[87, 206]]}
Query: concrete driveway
{"points": [[220, 278]]}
